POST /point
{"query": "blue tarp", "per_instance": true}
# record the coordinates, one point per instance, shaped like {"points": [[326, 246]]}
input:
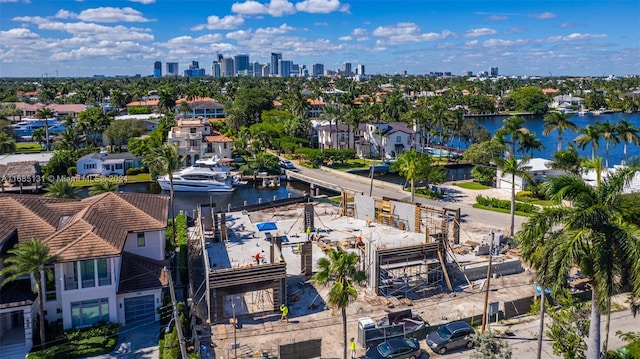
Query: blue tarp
{"points": [[267, 226]]}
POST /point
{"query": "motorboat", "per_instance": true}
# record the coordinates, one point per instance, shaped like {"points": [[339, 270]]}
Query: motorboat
{"points": [[583, 112], [205, 176]]}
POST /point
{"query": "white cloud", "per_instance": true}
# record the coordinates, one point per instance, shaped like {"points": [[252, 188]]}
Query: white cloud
{"points": [[106, 14], [407, 32], [65, 14], [216, 23], [360, 34], [485, 31], [513, 30], [144, 2], [543, 15], [471, 43], [284, 28], [23, 1], [320, 6], [322, 23], [91, 30], [345, 38], [503, 43], [576, 37], [275, 8]]}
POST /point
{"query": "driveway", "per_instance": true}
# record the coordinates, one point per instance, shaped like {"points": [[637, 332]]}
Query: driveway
{"points": [[141, 338]]}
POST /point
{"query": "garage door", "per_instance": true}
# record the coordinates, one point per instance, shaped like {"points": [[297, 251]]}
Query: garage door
{"points": [[139, 309]]}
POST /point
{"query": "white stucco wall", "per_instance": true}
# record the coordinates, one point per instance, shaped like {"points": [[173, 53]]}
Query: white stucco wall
{"points": [[81, 164], [153, 248]]}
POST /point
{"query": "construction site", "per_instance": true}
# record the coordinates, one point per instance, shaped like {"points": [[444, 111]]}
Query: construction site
{"points": [[246, 264]]}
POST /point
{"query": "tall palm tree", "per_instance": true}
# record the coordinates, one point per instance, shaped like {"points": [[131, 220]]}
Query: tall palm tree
{"points": [[588, 234], [184, 108], [560, 122], [508, 133], [339, 268], [589, 135], [62, 189], [165, 160], [331, 113], [38, 135], [627, 133], [30, 257], [167, 100], [414, 165], [45, 113], [610, 136], [514, 167], [103, 185], [70, 139], [7, 143]]}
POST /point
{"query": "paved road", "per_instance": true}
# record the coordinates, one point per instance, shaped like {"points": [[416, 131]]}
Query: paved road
{"points": [[524, 343], [455, 197]]}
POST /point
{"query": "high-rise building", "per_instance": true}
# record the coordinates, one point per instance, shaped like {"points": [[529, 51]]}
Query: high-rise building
{"points": [[276, 57], [265, 71], [346, 70], [241, 65], [194, 70], [226, 67], [284, 69], [360, 70], [157, 69], [257, 69], [215, 69], [467, 73], [317, 70], [493, 71], [172, 69]]}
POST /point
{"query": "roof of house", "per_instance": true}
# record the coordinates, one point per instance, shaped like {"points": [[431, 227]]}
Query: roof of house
{"points": [[216, 136], [205, 105], [93, 227], [142, 273], [335, 128], [399, 127], [184, 99], [109, 156], [25, 169], [143, 103], [16, 293]]}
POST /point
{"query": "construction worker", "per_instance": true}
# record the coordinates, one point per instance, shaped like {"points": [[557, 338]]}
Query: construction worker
{"points": [[360, 243], [285, 313], [352, 347], [257, 256], [308, 233]]}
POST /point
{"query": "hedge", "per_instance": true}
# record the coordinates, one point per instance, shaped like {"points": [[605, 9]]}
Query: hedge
{"points": [[81, 343], [505, 204]]}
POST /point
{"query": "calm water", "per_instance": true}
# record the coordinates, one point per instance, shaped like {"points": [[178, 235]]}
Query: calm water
{"points": [[551, 142]]}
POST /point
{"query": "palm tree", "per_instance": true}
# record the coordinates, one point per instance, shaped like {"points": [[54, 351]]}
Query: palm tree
{"points": [[184, 108], [45, 113], [167, 100], [339, 268], [589, 135], [556, 121], [7, 143], [627, 133], [588, 234], [103, 185], [567, 160], [609, 133], [38, 135], [165, 160], [62, 189], [519, 168], [511, 127], [30, 257], [331, 113], [70, 139], [414, 165]]}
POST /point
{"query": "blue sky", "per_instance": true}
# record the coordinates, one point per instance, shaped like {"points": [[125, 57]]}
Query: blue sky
{"points": [[83, 38]]}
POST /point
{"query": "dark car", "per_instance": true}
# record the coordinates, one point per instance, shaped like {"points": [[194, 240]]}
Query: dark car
{"points": [[450, 336], [397, 348]]}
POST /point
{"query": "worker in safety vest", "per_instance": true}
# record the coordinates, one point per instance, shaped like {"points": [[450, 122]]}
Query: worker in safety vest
{"points": [[285, 312], [352, 347]]}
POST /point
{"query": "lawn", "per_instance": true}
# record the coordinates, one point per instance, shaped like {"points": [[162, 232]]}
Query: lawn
{"points": [[357, 163], [29, 147], [142, 177], [502, 210], [472, 185]]}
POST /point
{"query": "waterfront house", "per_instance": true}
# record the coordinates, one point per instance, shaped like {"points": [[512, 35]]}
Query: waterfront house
{"points": [[539, 170], [339, 136], [388, 139], [107, 164], [202, 107], [59, 110], [112, 250], [196, 140]]}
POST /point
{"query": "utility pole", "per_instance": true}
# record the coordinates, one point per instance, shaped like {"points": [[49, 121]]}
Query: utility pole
{"points": [[176, 317], [373, 166], [541, 330], [235, 326], [487, 284]]}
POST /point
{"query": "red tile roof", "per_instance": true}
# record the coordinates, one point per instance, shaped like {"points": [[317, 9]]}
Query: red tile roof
{"points": [[216, 137]]}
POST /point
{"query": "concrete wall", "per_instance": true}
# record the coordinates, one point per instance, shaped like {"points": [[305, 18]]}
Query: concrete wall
{"points": [[364, 207], [499, 268], [153, 248], [406, 213]]}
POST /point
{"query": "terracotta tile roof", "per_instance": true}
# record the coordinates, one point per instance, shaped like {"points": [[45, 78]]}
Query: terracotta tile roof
{"points": [[184, 99], [93, 227], [142, 273], [143, 103], [315, 102], [216, 137]]}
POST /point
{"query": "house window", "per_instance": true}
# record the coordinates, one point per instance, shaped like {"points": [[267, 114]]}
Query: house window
{"points": [[225, 145], [70, 275], [104, 275], [192, 130], [119, 166], [89, 166], [141, 239], [50, 286], [398, 139], [89, 312], [88, 273]]}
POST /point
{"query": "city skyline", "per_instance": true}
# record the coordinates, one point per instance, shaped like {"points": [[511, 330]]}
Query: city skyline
{"points": [[110, 38]]}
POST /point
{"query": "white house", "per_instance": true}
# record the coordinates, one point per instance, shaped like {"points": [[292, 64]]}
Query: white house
{"points": [[112, 250], [632, 187], [539, 170], [107, 164], [338, 136], [196, 140], [389, 139]]}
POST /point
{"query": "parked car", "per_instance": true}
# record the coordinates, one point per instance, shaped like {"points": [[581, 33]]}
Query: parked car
{"points": [[397, 348], [450, 336], [287, 165]]}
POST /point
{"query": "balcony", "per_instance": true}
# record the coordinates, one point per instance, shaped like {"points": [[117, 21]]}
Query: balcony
{"points": [[105, 280], [70, 283]]}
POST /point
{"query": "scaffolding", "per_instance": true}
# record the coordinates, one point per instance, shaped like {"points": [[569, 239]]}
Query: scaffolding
{"points": [[384, 213]]}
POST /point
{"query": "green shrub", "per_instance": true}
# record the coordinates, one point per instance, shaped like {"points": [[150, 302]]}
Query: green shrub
{"points": [[133, 171], [505, 204], [81, 343]]}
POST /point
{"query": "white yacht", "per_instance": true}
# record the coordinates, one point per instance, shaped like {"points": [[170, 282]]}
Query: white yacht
{"points": [[205, 176]]}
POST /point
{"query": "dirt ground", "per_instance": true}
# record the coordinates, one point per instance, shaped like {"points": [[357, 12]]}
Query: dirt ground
{"points": [[260, 335]]}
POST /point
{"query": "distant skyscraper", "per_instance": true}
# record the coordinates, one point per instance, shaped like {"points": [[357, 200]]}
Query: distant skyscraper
{"points": [[265, 71], [241, 65], [226, 67], [157, 69], [360, 70], [284, 68], [276, 57], [346, 71], [493, 71], [220, 57], [172, 69], [194, 70], [257, 69], [467, 73], [317, 70], [215, 69]]}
